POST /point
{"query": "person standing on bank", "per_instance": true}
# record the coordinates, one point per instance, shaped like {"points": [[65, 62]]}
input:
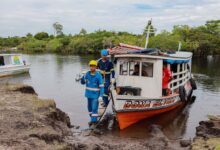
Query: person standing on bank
{"points": [[94, 90], [108, 74]]}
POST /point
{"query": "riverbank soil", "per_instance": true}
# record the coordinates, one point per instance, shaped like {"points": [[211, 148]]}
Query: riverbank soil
{"points": [[156, 141], [27, 122], [208, 135]]}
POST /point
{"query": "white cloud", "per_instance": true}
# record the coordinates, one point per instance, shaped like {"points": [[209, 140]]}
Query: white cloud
{"points": [[18, 17]]}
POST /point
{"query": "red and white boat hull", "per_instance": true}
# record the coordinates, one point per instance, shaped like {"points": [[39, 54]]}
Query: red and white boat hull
{"points": [[130, 111]]}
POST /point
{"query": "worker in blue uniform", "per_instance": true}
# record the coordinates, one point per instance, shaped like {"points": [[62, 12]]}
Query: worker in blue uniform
{"points": [[94, 90], [108, 74]]}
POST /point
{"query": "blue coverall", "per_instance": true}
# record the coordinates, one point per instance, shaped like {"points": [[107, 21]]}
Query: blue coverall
{"points": [[94, 90], [106, 69]]}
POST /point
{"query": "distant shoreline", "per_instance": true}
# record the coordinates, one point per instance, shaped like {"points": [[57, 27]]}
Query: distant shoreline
{"points": [[202, 40], [82, 54]]}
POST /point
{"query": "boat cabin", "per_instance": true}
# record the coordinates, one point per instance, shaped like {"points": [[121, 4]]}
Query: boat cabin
{"points": [[141, 75], [12, 64], [11, 59]]}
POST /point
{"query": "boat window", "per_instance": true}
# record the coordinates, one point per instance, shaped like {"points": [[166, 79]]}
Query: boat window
{"points": [[2, 63], [134, 68], [123, 68], [147, 69], [16, 60]]}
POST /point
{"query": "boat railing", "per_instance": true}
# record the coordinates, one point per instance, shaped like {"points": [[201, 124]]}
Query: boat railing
{"points": [[179, 73], [179, 79]]}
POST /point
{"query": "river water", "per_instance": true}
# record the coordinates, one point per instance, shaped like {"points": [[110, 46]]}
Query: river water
{"points": [[53, 77]]}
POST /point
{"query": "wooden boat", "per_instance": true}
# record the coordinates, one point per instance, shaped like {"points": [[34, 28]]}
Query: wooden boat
{"points": [[12, 64], [139, 96]]}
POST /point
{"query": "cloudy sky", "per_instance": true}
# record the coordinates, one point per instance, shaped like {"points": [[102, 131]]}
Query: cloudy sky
{"points": [[18, 17]]}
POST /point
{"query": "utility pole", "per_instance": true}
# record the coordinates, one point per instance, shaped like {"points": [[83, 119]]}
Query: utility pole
{"points": [[148, 33], [180, 45]]}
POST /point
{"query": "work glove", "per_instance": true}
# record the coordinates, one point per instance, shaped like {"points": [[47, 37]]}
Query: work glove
{"points": [[113, 81], [100, 99], [83, 72]]}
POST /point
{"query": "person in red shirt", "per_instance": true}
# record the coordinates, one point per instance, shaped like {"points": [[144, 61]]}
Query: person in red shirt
{"points": [[167, 77]]}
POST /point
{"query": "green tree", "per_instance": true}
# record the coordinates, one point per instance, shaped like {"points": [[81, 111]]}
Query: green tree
{"points": [[165, 41], [54, 45], [65, 41], [33, 45], [107, 42], [41, 36], [83, 32], [29, 35], [182, 30], [213, 27]]}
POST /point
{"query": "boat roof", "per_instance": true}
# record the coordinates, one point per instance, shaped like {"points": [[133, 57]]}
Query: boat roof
{"points": [[129, 51], [10, 54], [181, 55]]}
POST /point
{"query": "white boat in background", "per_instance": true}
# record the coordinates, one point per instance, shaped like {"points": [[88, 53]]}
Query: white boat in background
{"points": [[12, 64]]}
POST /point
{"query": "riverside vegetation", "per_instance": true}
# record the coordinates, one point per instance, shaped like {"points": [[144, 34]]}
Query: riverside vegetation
{"points": [[201, 40]]}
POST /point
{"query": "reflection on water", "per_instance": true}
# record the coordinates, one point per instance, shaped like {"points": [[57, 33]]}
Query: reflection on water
{"points": [[207, 73], [53, 76], [16, 79]]}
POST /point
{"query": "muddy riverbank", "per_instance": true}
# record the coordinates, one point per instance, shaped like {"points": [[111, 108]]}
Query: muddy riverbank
{"points": [[208, 134], [28, 122]]}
